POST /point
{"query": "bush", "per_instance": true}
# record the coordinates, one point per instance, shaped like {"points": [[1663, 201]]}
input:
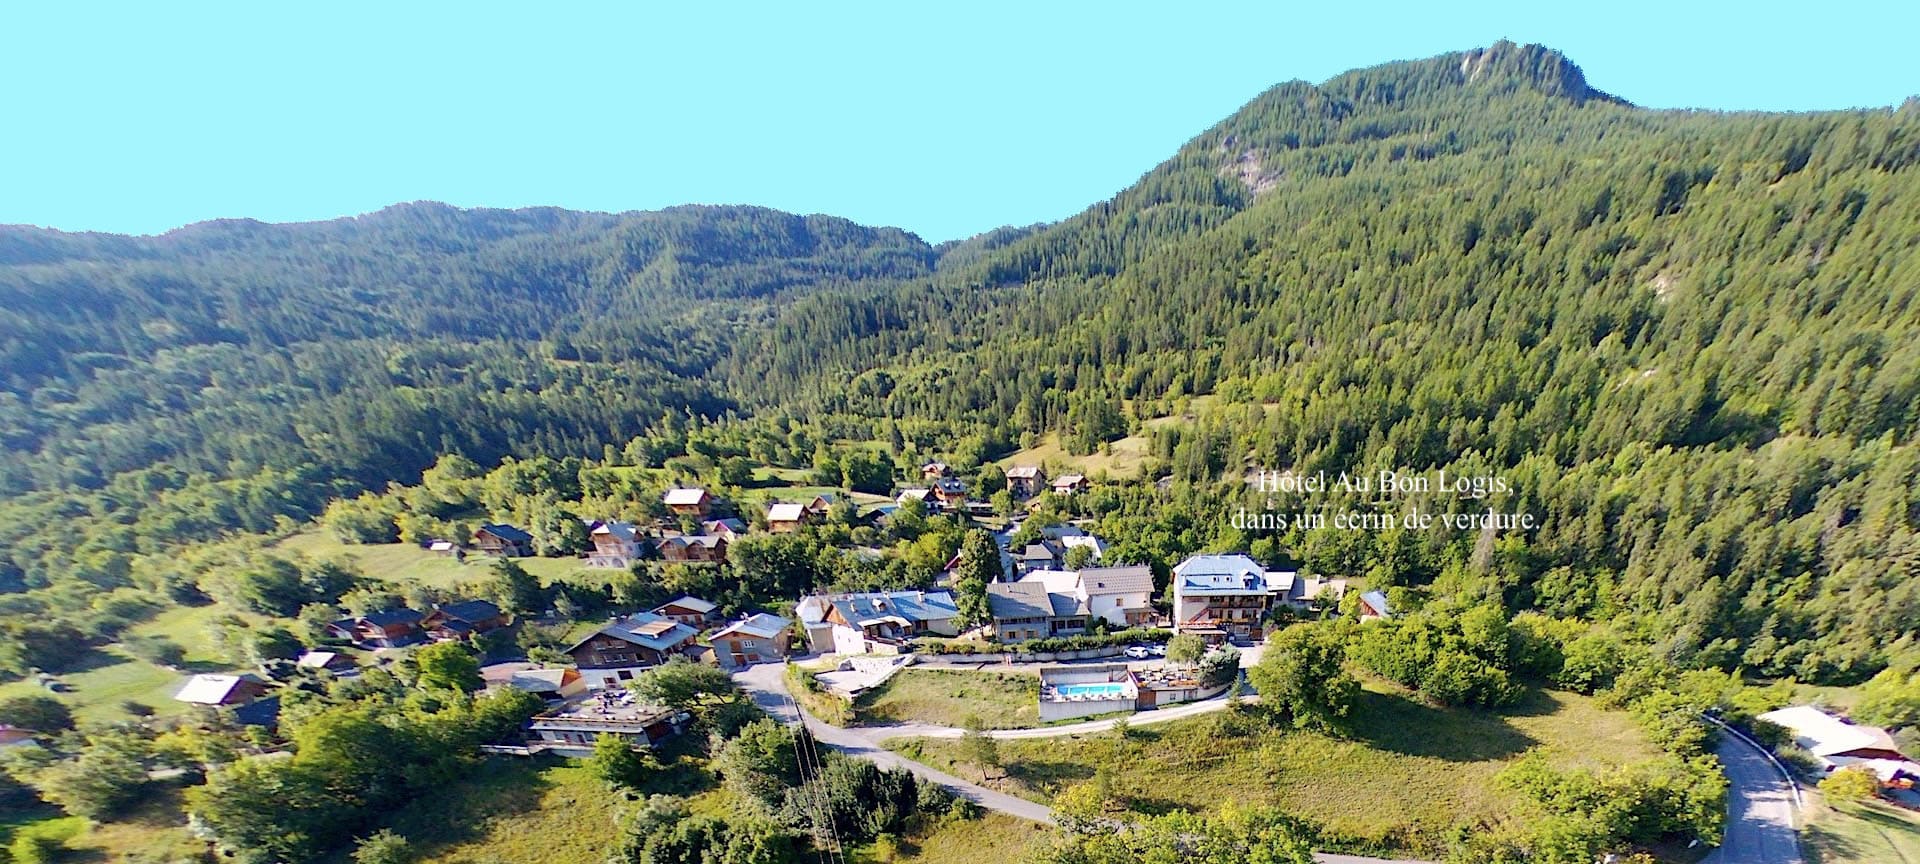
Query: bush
{"points": [[1220, 667], [1850, 785], [1773, 735], [382, 847], [44, 842], [36, 713], [1046, 645]]}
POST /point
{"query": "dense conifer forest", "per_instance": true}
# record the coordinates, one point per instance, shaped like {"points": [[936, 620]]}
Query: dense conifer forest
{"points": [[1691, 340]]}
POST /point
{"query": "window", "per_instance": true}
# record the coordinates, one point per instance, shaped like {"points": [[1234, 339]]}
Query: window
{"points": [[624, 675], [748, 645]]}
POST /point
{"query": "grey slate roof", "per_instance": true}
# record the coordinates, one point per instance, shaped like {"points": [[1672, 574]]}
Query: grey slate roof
{"points": [[688, 601], [390, 617], [1067, 605], [1116, 580], [1019, 600], [644, 628], [470, 611], [507, 532], [1038, 552], [762, 625]]}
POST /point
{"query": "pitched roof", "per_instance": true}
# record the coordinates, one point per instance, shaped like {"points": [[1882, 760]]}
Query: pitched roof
{"points": [[1221, 575], [1023, 472], [786, 512], [1019, 600], [505, 532], [621, 531], [1070, 480], [1116, 580], [685, 496], [1376, 601], [1055, 580], [912, 606], [715, 526], [470, 611], [1038, 552], [711, 541], [211, 689], [317, 659], [390, 617], [1825, 735], [1066, 604], [950, 485], [762, 625], [1073, 541], [643, 628], [263, 712], [688, 601], [532, 679]]}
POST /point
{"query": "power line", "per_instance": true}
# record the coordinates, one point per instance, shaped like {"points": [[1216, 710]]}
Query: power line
{"points": [[824, 856], [807, 755]]}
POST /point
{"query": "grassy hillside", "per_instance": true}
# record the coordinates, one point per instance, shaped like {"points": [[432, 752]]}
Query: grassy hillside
{"points": [[517, 810], [948, 698], [1119, 460], [1871, 833], [1408, 773], [992, 837]]}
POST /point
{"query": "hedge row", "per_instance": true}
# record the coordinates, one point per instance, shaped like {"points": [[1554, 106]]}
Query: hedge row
{"points": [[1048, 645]]}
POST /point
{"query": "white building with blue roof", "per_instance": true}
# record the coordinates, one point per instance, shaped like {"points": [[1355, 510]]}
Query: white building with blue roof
{"points": [[1222, 597]]}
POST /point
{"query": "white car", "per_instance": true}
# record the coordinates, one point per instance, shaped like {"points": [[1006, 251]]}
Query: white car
{"points": [[1138, 652]]}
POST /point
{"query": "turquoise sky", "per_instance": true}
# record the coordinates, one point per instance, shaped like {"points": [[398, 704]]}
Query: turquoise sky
{"points": [[944, 119]]}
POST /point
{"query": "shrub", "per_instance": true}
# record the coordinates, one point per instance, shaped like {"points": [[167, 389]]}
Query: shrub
{"points": [[1850, 785], [1773, 735], [44, 842], [382, 847]]}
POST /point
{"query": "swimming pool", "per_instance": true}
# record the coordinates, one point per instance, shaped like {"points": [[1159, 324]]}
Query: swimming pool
{"points": [[1097, 691]]}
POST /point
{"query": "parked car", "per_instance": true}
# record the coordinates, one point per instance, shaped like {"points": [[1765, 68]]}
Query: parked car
{"points": [[1157, 650], [1138, 652]]}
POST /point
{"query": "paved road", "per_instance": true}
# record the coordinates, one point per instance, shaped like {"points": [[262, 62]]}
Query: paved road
{"points": [[767, 684], [883, 731], [1760, 809]]}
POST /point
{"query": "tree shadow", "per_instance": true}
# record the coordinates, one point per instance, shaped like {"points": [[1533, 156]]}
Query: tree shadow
{"points": [[1879, 817], [1535, 703], [461, 812], [89, 660], [1040, 775], [1400, 725], [1151, 806]]}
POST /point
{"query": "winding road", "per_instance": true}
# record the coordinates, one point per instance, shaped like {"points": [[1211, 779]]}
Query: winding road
{"points": [[1760, 808], [767, 685]]}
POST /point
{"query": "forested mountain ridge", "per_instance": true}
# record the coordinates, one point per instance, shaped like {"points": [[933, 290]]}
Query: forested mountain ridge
{"points": [[422, 269], [111, 344], [1688, 337]]}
